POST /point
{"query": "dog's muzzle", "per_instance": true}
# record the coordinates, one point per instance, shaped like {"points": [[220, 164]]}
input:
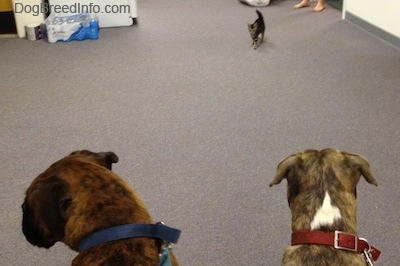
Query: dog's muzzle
{"points": [[33, 232]]}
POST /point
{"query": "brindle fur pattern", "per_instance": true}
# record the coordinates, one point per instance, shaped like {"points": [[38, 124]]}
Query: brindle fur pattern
{"points": [[309, 175], [257, 28], [79, 195]]}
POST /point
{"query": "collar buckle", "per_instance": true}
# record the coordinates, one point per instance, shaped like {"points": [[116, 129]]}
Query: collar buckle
{"points": [[338, 243]]}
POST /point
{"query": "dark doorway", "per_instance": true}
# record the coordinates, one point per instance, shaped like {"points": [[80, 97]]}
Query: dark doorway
{"points": [[7, 23], [338, 4]]}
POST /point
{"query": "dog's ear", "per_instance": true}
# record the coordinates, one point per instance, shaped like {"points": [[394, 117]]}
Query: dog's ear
{"points": [[284, 168], [45, 211], [105, 159], [362, 165]]}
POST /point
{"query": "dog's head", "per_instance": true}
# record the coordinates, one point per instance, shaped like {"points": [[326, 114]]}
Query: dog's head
{"points": [[47, 200], [323, 180]]}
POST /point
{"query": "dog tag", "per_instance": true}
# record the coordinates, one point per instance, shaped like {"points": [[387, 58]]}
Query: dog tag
{"points": [[367, 255]]}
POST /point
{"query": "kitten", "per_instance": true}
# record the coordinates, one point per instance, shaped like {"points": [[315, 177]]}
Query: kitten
{"points": [[257, 28]]}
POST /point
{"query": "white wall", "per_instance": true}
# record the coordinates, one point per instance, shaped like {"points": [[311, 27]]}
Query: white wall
{"points": [[27, 12], [384, 14]]}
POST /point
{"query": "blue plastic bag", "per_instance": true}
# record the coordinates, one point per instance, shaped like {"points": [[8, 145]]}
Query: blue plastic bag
{"points": [[67, 28]]}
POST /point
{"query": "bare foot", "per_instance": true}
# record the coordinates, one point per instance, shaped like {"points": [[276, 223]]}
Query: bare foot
{"points": [[320, 6], [303, 3]]}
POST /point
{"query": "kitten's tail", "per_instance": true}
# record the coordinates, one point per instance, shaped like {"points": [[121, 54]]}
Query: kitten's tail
{"points": [[260, 16]]}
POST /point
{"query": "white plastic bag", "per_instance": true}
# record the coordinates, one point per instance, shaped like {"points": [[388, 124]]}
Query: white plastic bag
{"points": [[256, 2]]}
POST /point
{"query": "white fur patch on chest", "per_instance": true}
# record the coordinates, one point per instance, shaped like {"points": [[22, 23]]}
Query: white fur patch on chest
{"points": [[326, 214]]}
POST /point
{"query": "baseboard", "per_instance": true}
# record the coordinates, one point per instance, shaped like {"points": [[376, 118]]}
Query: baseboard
{"points": [[386, 36]]}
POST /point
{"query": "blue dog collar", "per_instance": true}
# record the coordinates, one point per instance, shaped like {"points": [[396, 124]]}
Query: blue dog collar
{"points": [[158, 230]]}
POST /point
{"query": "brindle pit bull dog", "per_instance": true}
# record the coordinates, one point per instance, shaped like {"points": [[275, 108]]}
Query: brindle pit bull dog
{"points": [[79, 195], [321, 191]]}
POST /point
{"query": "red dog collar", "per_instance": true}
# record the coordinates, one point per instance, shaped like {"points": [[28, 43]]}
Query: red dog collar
{"points": [[337, 239]]}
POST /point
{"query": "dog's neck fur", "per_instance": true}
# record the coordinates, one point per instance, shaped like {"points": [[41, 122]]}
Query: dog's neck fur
{"points": [[97, 213], [326, 215], [323, 215], [329, 205]]}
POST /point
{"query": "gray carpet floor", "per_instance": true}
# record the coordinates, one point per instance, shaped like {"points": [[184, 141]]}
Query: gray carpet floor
{"points": [[200, 120]]}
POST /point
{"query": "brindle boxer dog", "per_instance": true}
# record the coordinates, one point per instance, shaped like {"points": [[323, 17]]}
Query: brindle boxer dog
{"points": [[321, 187], [79, 195]]}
